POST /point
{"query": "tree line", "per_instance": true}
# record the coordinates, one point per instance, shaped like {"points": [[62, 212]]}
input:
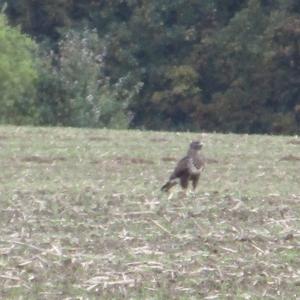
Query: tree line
{"points": [[213, 65]]}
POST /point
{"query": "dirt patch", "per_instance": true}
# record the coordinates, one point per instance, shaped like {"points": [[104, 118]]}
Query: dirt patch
{"points": [[99, 139], [42, 160], [294, 142], [168, 158], [290, 158], [159, 140], [3, 137], [96, 162], [132, 160], [124, 160]]}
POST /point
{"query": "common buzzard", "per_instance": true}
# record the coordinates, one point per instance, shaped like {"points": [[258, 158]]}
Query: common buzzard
{"points": [[187, 169]]}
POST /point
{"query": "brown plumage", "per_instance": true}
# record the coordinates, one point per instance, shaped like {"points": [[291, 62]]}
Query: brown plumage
{"points": [[188, 168]]}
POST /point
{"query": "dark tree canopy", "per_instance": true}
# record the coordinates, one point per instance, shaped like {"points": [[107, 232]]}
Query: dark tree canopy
{"points": [[187, 64]]}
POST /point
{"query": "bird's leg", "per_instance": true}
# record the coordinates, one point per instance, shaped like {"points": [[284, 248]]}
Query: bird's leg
{"points": [[195, 180], [184, 182]]}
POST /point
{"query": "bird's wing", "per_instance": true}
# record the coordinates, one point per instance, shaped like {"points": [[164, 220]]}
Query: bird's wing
{"points": [[181, 167]]}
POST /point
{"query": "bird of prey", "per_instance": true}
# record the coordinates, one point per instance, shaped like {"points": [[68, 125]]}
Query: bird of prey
{"points": [[187, 169]]}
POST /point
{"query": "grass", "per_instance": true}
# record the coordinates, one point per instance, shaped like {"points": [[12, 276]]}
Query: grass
{"points": [[82, 216]]}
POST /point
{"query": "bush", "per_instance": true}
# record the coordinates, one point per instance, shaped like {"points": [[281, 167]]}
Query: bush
{"points": [[73, 88], [17, 75]]}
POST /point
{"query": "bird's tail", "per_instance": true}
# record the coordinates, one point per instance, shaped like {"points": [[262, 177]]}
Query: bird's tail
{"points": [[168, 185]]}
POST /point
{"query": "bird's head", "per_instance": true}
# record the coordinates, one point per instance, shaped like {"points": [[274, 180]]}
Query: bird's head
{"points": [[196, 145]]}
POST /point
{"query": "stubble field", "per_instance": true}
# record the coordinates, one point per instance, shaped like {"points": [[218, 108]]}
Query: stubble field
{"points": [[82, 216]]}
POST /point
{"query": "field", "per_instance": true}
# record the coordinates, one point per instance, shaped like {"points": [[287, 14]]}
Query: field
{"points": [[82, 216]]}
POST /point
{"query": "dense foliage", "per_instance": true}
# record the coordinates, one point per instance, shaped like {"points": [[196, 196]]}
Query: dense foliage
{"points": [[182, 64], [17, 75], [73, 89]]}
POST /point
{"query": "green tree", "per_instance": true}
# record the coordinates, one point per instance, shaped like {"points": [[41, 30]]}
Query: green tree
{"points": [[74, 89], [41, 19], [251, 71], [17, 75], [184, 64], [154, 39]]}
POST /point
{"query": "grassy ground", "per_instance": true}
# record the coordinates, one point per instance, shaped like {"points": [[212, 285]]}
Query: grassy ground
{"points": [[82, 217]]}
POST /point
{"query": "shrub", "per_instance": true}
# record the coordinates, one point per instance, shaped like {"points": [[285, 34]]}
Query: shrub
{"points": [[73, 87], [17, 75]]}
